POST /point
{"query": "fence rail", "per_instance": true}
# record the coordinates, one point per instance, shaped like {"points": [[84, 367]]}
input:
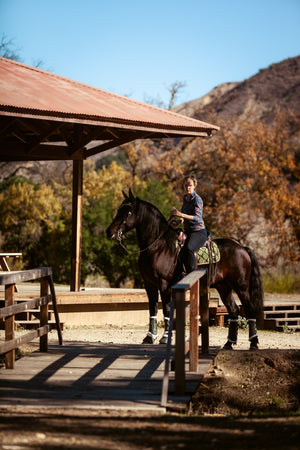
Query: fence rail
{"points": [[197, 283], [8, 312]]}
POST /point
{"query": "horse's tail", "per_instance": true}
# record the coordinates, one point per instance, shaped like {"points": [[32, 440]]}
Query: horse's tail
{"points": [[256, 289]]}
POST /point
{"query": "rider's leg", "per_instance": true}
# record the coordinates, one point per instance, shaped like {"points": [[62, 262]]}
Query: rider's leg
{"points": [[193, 242]]}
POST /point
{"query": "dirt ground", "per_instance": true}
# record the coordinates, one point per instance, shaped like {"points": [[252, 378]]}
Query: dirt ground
{"points": [[247, 400]]}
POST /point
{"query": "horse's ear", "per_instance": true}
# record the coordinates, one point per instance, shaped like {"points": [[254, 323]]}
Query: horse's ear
{"points": [[125, 195], [131, 196]]}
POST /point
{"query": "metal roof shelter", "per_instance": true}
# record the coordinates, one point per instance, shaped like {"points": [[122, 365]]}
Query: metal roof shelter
{"points": [[44, 116]]}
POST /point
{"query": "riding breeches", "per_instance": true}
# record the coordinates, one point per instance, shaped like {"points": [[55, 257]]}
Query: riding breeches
{"points": [[193, 242]]}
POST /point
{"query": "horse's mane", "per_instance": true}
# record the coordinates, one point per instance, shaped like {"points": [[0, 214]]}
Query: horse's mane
{"points": [[148, 209], [155, 220]]}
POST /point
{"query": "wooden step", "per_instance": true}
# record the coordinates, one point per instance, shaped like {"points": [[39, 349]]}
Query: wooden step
{"points": [[282, 307], [282, 314], [282, 325]]}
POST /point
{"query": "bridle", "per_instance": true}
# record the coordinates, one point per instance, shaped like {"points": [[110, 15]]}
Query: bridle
{"points": [[120, 234], [119, 238]]}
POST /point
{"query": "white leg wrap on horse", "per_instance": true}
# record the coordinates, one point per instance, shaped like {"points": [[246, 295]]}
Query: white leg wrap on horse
{"points": [[233, 331], [167, 321], [252, 329], [153, 327]]}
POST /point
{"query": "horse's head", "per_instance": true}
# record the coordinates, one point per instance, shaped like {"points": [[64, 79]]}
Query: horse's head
{"points": [[125, 219]]}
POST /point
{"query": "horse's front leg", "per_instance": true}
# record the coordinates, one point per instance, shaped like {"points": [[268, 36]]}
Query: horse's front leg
{"points": [[233, 311], [152, 293], [166, 302]]}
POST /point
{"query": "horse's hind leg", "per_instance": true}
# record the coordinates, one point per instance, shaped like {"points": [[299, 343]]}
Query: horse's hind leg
{"points": [[233, 311], [250, 315], [152, 334]]}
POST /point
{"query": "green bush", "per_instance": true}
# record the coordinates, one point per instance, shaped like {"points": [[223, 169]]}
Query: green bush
{"points": [[285, 280]]}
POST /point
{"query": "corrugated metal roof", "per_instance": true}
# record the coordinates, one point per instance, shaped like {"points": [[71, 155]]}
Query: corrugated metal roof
{"points": [[30, 91]]}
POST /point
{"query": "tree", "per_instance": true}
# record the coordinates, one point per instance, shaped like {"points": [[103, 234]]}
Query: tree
{"points": [[8, 48], [24, 210], [174, 91]]}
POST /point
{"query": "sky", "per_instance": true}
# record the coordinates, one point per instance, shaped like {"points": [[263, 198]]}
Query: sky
{"points": [[139, 48]]}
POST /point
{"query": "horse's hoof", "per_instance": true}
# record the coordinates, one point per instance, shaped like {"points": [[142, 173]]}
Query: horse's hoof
{"points": [[164, 339], [254, 344], [150, 338], [228, 346]]}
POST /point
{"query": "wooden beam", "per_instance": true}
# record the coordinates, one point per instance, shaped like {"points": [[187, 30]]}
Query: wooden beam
{"points": [[128, 137], [42, 136], [12, 344], [76, 225], [24, 275], [18, 151]]}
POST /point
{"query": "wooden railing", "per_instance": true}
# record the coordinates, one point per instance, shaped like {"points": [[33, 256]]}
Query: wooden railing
{"points": [[9, 280], [197, 283]]}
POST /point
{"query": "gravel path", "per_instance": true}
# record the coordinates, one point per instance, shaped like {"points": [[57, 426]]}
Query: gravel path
{"points": [[217, 337]]}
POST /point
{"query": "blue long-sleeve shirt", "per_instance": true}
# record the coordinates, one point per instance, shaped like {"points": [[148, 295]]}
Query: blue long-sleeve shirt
{"points": [[193, 207]]}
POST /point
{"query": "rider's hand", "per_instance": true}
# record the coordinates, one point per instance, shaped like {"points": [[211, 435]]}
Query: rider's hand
{"points": [[175, 212]]}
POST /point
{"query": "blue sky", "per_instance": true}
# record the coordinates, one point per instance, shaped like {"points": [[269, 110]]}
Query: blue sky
{"points": [[140, 47]]}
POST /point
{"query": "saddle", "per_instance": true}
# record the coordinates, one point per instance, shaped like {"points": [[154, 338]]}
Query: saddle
{"points": [[207, 254]]}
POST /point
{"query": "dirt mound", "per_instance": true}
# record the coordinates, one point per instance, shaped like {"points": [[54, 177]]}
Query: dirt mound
{"points": [[244, 382]]}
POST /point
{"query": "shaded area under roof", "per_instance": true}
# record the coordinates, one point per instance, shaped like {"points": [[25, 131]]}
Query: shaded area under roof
{"points": [[44, 116]]}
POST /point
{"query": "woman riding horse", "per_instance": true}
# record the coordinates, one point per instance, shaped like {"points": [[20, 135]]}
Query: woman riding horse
{"points": [[237, 269]]}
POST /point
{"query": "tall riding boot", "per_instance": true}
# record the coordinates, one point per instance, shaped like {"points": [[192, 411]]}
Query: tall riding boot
{"points": [[164, 338], [152, 332], [232, 334], [253, 336]]}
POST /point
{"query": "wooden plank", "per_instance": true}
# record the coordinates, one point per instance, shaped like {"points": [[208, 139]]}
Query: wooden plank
{"points": [[54, 303], [10, 326], [24, 306], [3, 263], [189, 280], [28, 337], [44, 316], [180, 342], [165, 383], [194, 327], [24, 275], [204, 313]]}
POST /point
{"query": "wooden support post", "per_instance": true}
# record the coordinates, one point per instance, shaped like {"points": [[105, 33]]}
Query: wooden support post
{"points": [[204, 313], [10, 326], [194, 327], [180, 343], [56, 315], [76, 224], [44, 315]]}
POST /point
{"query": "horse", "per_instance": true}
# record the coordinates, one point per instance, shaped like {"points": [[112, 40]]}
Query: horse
{"points": [[237, 270]]}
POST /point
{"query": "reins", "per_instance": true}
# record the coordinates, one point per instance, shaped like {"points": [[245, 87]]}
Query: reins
{"points": [[144, 249]]}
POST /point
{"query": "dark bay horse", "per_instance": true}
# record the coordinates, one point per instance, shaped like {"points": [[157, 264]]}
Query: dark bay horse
{"points": [[237, 270]]}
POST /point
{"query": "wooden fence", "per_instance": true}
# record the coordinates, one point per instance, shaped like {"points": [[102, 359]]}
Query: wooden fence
{"points": [[8, 312], [197, 283]]}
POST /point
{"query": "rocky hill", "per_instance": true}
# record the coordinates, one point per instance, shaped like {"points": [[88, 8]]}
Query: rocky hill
{"points": [[274, 88]]}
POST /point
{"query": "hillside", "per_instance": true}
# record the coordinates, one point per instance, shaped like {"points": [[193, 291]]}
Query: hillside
{"points": [[274, 88]]}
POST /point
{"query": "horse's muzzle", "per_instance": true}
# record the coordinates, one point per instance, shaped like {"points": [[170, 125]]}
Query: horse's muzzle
{"points": [[110, 234], [114, 235]]}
